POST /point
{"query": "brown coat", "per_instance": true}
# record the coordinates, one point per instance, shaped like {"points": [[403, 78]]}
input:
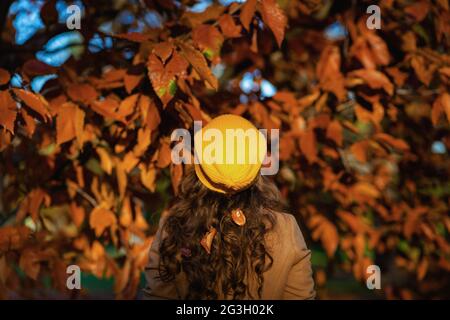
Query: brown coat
{"points": [[290, 276]]}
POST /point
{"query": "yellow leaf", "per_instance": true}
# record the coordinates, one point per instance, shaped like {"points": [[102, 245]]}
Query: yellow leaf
{"points": [[105, 160], [126, 215], [121, 178], [148, 177]]}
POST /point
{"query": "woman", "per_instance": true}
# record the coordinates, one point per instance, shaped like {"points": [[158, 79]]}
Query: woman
{"points": [[226, 236]]}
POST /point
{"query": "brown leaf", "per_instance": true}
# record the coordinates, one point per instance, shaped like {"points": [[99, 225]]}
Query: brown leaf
{"points": [[229, 28], [198, 62], [13, 238], [32, 204], [247, 12], [100, 219], [176, 173], [30, 263], [4, 76], [163, 50], [8, 111], [34, 67], [424, 74], [398, 76], [378, 48], [418, 10], [375, 79], [208, 39], [275, 18]]}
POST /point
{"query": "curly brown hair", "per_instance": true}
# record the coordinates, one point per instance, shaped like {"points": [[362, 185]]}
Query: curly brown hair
{"points": [[237, 252]]}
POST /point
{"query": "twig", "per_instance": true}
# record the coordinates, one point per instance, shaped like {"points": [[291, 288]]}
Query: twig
{"points": [[86, 196]]}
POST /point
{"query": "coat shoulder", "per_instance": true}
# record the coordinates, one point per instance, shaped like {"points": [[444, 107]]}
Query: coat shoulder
{"points": [[280, 235]]}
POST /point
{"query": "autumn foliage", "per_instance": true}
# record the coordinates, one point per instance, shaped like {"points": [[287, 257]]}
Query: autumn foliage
{"points": [[85, 167]]}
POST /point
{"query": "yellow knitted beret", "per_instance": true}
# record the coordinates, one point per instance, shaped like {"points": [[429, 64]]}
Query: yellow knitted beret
{"points": [[229, 153]]}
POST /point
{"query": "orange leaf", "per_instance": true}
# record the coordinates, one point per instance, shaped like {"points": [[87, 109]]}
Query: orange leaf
{"points": [[148, 177], [275, 18], [30, 124], [425, 75], [69, 122], [365, 189], [8, 111], [143, 141], [149, 112], [100, 219], [107, 108], [247, 12], [127, 106], [131, 81], [164, 154], [393, 142], [440, 106], [163, 77], [334, 132], [77, 213], [126, 215], [84, 93], [35, 102], [308, 145], [326, 232], [359, 150], [198, 62], [139, 221], [328, 72]]}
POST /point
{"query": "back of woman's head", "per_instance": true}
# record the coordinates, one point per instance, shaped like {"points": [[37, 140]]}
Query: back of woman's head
{"points": [[237, 253]]}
